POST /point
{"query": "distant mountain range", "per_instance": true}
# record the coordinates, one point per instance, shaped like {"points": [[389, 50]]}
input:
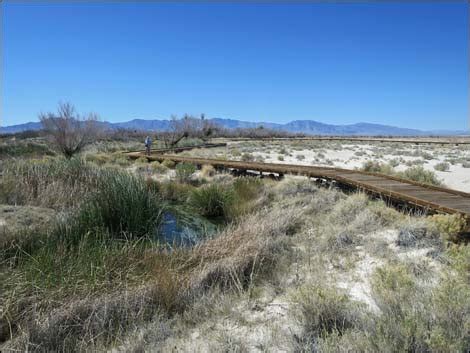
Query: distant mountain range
{"points": [[309, 127]]}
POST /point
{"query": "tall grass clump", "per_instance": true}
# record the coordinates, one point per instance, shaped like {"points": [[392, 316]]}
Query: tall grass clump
{"points": [[54, 183], [184, 171], [323, 311], [212, 200], [123, 206]]}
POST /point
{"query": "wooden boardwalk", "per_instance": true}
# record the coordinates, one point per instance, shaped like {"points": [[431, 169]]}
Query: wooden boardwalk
{"points": [[425, 196]]}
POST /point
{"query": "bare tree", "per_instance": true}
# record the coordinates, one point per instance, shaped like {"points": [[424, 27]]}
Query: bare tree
{"points": [[188, 126], [69, 131]]}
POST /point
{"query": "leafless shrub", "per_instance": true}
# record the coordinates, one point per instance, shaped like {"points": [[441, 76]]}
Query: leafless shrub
{"points": [[186, 127], [69, 131]]}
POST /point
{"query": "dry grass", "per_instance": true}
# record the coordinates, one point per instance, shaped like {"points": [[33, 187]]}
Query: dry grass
{"points": [[244, 250]]}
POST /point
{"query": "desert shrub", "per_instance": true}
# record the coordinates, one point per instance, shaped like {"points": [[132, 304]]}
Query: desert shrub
{"points": [[184, 171], [425, 155], [236, 152], [416, 234], [394, 162], [394, 291], [465, 164], [158, 167], [421, 175], [280, 158], [324, 310], [120, 159], [300, 157], [207, 171], [346, 211], [360, 153], [450, 226], [98, 158], [376, 167], [142, 160], [259, 159], [247, 157], [212, 200], [416, 317], [283, 150], [168, 163], [442, 167]]}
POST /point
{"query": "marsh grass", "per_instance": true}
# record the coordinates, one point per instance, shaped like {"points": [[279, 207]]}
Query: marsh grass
{"points": [[54, 183], [212, 200], [184, 171]]}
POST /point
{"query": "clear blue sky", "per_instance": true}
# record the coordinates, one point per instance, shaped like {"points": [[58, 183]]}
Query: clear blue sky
{"points": [[393, 63]]}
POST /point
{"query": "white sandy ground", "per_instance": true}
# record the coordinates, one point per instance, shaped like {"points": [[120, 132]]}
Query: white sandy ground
{"points": [[456, 178], [267, 322]]}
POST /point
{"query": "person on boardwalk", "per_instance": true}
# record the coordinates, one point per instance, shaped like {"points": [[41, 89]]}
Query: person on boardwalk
{"points": [[148, 145]]}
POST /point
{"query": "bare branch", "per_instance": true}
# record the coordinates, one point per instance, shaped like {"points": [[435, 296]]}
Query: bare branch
{"points": [[68, 130]]}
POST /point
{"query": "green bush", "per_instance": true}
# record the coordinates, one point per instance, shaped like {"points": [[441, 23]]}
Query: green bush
{"points": [[212, 200], [158, 167], [450, 226], [421, 175], [247, 157], [168, 163], [184, 171], [376, 167], [442, 167], [142, 160]]}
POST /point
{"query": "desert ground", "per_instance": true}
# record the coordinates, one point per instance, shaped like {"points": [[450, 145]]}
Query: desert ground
{"points": [[450, 163], [103, 253]]}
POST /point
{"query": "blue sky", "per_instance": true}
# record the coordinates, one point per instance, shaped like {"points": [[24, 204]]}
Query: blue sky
{"points": [[394, 63]]}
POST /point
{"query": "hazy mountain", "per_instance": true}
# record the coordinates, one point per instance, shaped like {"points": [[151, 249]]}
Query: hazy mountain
{"points": [[309, 127]]}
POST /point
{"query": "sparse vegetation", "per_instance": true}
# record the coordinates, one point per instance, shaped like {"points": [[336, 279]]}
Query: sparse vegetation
{"points": [[91, 259], [442, 167], [68, 131], [184, 171], [420, 175]]}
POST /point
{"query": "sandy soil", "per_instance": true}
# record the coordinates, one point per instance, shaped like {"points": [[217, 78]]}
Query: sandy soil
{"points": [[353, 156]]}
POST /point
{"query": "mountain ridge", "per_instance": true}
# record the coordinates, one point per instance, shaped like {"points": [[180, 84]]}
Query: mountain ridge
{"points": [[309, 127]]}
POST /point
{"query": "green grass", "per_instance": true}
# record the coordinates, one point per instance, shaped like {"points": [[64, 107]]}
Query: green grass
{"points": [[24, 150], [123, 206], [184, 171], [212, 200]]}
